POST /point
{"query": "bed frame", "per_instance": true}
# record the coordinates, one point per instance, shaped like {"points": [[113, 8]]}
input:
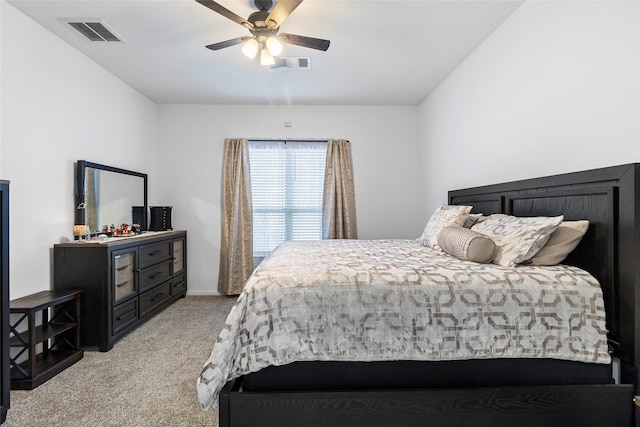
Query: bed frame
{"points": [[610, 199]]}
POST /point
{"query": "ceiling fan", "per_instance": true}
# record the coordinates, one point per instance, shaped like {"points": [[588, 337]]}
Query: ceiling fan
{"points": [[264, 26]]}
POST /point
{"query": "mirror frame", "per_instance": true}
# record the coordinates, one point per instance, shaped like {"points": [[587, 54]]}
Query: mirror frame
{"points": [[79, 192]]}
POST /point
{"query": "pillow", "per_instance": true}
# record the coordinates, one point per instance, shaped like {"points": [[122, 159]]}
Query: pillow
{"points": [[442, 217], [517, 238], [560, 243], [471, 219], [466, 244]]}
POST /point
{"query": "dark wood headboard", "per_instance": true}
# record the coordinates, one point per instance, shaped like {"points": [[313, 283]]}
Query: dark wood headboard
{"points": [[608, 198]]}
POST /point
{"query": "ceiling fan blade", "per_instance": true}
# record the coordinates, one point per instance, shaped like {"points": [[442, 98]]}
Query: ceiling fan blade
{"points": [[225, 12], [280, 12], [227, 43], [304, 41]]}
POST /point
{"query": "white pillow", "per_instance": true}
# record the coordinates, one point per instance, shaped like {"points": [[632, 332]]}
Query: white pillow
{"points": [[444, 216], [517, 238]]}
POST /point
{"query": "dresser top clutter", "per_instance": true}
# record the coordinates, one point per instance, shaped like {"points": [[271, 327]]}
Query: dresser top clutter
{"points": [[144, 237]]}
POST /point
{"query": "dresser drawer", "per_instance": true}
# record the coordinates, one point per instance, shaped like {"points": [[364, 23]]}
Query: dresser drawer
{"points": [[124, 315], [153, 253], [178, 285], [151, 276], [154, 297]]}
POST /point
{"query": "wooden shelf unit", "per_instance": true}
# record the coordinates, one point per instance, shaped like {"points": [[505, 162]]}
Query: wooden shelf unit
{"points": [[59, 335]]}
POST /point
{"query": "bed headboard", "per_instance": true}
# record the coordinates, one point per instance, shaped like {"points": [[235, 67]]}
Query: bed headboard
{"points": [[609, 198]]}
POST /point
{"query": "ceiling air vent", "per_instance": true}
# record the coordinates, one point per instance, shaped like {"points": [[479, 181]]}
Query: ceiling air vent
{"points": [[299, 62], [94, 30]]}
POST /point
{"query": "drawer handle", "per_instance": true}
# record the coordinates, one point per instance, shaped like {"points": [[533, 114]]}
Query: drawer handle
{"points": [[125, 315], [159, 294], [154, 253], [122, 268], [153, 276], [119, 285]]}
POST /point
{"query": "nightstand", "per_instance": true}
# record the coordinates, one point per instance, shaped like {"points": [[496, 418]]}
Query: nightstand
{"points": [[58, 334]]}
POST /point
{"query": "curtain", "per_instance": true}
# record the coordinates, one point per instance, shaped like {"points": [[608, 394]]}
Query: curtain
{"points": [[236, 246], [91, 199], [339, 206]]}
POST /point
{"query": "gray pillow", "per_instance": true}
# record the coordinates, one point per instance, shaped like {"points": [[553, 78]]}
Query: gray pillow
{"points": [[471, 219], [560, 243], [466, 244]]}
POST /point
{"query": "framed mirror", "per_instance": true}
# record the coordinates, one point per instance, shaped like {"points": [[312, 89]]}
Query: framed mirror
{"points": [[106, 195]]}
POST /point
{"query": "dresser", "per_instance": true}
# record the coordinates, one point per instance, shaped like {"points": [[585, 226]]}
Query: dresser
{"points": [[125, 281], [4, 300]]}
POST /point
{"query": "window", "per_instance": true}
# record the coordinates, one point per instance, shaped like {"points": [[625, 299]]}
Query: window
{"points": [[287, 179]]}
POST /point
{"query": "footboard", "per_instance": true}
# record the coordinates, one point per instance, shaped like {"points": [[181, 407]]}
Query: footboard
{"points": [[548, 406]]}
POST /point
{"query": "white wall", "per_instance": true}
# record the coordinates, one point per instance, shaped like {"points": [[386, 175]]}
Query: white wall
{"points": [[386, 173], [554, 89], [58, 106]]}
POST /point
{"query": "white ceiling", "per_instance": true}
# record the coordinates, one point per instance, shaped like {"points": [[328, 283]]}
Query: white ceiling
{"points": [[382, 52]]}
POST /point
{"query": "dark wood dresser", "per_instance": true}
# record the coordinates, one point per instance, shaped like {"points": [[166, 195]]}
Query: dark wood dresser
{"points": [[5, 375], [125, 281]]}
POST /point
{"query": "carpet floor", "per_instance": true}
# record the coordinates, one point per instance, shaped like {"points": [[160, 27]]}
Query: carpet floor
{"points": [[147, 379]]}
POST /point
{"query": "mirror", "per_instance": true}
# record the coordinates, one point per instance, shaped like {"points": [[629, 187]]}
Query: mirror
{"points": [[105, 195]]}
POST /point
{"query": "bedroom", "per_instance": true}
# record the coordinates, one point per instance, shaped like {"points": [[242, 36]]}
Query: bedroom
{"points": [[557, 81]]}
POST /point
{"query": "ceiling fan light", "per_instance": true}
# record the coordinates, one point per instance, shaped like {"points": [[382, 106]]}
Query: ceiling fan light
{"points": [[250, 48], [274, 46], [266, 58]]}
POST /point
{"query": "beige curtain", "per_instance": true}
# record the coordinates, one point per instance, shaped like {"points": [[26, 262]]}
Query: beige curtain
{"points": [[91, 200], [236, 246], [339, 206]]}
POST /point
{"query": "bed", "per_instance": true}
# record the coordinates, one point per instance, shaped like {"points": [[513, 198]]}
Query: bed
{"points": [[436, 380]]}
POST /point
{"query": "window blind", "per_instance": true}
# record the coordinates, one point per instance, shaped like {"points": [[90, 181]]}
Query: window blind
{"points": [[287, 179]]}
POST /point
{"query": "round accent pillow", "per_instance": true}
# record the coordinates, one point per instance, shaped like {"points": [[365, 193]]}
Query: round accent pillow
{"points": [[466, 244]]}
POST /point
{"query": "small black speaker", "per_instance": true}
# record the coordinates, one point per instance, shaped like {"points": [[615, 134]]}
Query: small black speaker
{"points": [[160, 218], [138, 216]]}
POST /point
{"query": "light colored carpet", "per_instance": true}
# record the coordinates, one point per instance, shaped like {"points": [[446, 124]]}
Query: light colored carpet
{"points": [[147, 379]]}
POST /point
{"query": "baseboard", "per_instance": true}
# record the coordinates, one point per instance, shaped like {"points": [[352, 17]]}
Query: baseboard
{"points": [[202, 293]]}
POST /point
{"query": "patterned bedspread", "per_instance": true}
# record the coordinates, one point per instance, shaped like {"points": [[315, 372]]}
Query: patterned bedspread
{"points": [[364, 300]]}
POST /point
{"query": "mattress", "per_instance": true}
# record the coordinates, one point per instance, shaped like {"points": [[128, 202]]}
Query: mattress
{"points": [[392, 300]]}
